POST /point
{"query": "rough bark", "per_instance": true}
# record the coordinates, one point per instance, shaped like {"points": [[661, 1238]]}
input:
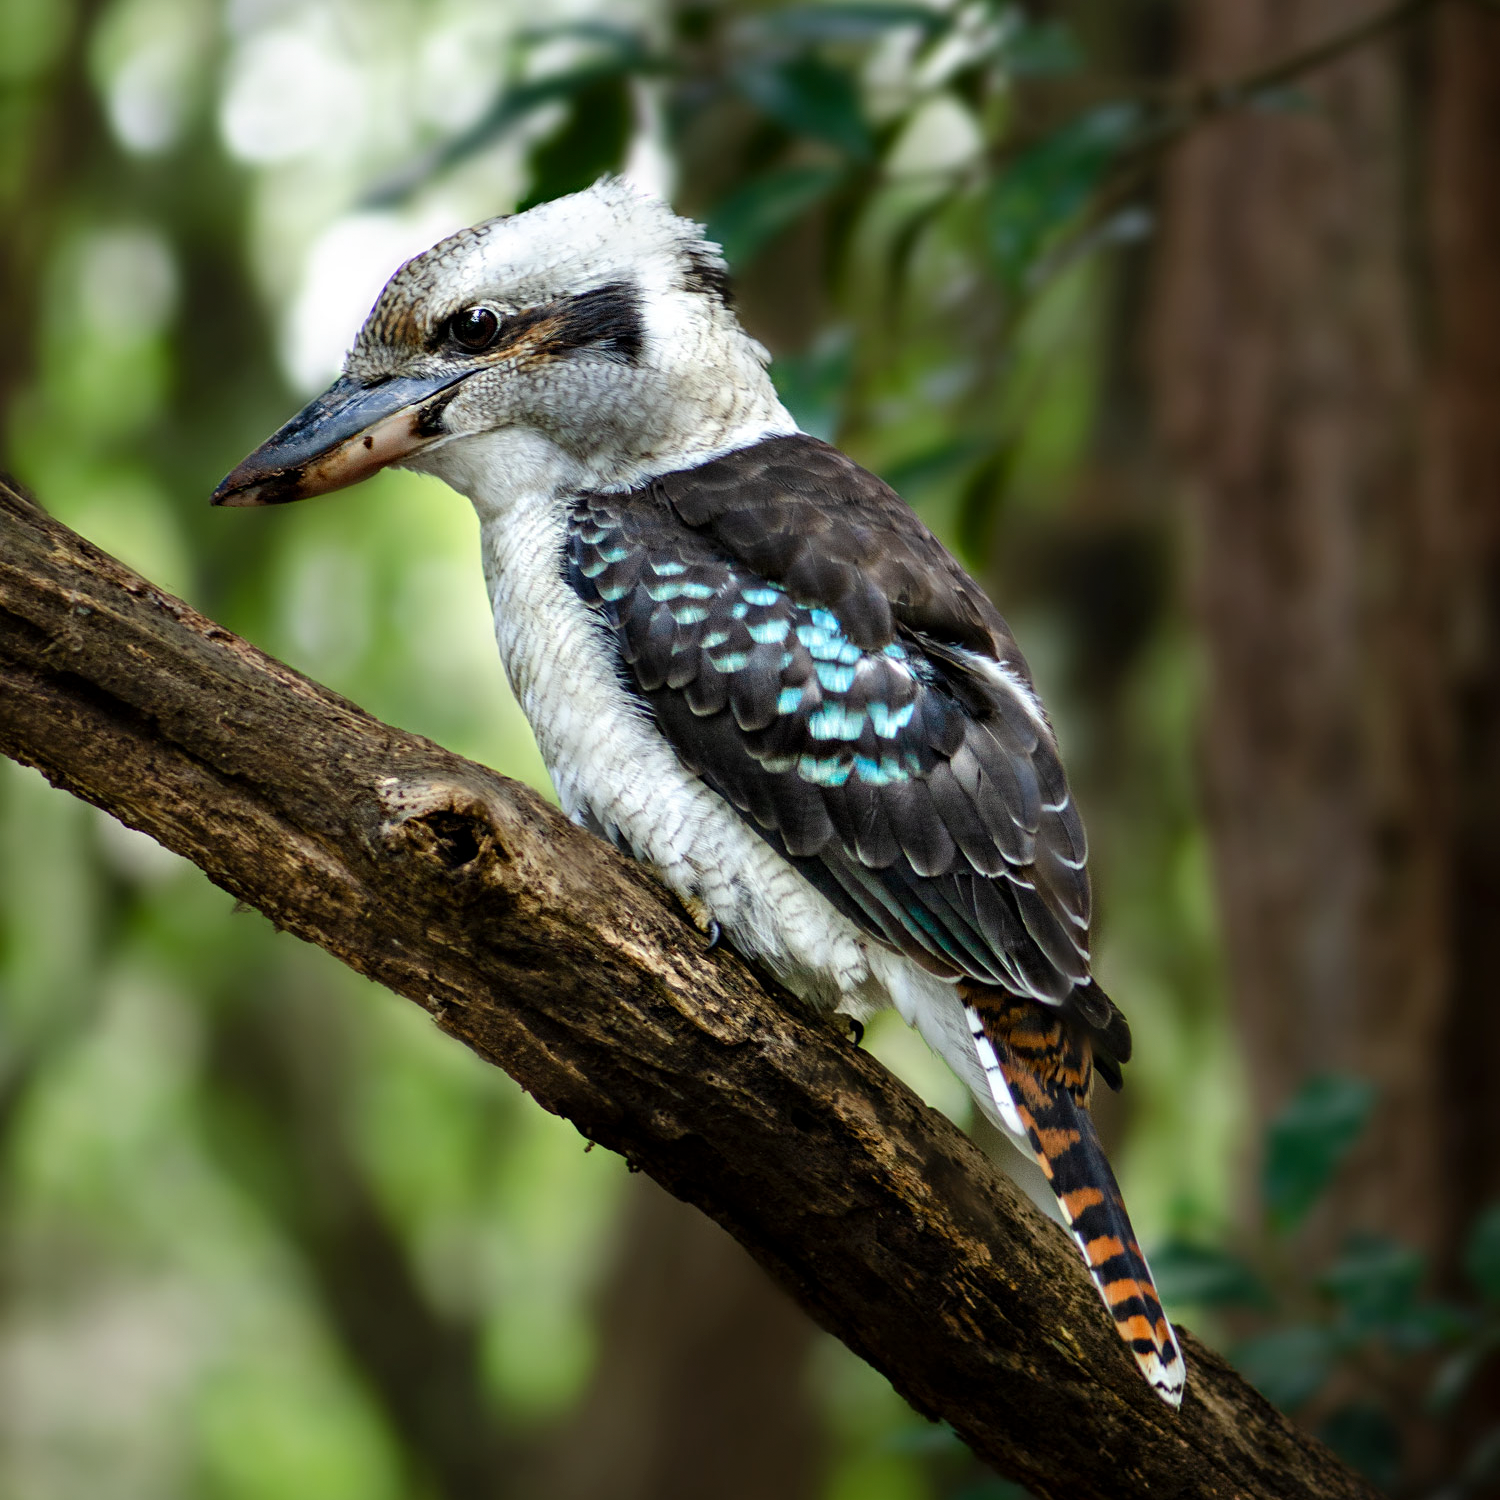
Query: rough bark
{"points": [[551, 956]]}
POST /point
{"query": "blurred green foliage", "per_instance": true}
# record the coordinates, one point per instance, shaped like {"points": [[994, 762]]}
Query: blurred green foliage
{"points": [[1308, 1140], [1315, 1339], [230, 1169]]}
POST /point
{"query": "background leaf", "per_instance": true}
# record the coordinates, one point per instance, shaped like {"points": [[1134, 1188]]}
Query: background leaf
{"points": [[1290, 1365], [812, 98], [1365, 1438], [1482, 1254], [590, 142], [515, 105], [1207, 1276], [1042, 50], [813, 384], [766, 205], [1375, 1281], [1049, 183], [1306, 1142]]}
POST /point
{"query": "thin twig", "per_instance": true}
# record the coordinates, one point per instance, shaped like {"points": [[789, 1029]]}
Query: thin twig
{"points": [[1202, 101], [1198, 103], [1178, 107]]}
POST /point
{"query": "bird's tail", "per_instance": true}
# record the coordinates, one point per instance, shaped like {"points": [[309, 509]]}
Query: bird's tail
{"points": [[1040, 1068]]}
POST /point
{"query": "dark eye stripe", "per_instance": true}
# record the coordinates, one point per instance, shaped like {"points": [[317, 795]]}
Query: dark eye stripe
{"points": [[604, 321]]}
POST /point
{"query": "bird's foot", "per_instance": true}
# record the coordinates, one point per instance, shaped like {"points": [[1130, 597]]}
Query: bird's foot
{"points": [[705, 921]]}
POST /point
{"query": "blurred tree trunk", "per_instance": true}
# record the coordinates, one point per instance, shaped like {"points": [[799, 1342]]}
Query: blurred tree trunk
{"points": [[54, 136], [701, 1386], [1462, 491], [274, 1079], [1326, 362]]}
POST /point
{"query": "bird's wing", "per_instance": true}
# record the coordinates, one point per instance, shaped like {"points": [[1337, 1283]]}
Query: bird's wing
{"points": [[810, 650]]}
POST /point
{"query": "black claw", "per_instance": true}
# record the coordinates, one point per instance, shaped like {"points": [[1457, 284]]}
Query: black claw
{"points": [[715, 932], [857, 1031]]}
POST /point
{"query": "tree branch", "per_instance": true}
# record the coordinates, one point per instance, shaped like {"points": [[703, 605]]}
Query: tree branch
{"points": [[537, 946]]}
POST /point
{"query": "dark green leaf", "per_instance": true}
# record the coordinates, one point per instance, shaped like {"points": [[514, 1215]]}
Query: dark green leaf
{"points": [[629, 45], [810, 98], [1208, 1277], [905, 241], [514, 106], [1049, 183], [983, 497], [592, 141], [1425, 1325], [1306, 1142], [1482, 1254], [849, 23], [1289, 1366], [1045, 49], [1366, 1439], [758, 211], [813, 384], [935, 465], [1375, 1281]]}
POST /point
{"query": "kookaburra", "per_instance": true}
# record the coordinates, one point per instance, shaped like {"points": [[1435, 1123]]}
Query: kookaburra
{"points": [[747, 662]]}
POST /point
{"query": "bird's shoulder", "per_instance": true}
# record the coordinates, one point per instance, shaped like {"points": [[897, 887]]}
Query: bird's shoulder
{"points": [[804, 515]]}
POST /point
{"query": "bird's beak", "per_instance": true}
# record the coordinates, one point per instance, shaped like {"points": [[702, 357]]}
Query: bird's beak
{"points": [[345, 435]]}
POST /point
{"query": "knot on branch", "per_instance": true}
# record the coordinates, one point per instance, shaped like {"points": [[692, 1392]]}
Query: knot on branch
{"points": [[454, 825], [456, 839]]}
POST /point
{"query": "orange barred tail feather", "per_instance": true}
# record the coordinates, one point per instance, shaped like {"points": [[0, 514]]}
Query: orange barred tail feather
{"points": [[1040, 1068]]}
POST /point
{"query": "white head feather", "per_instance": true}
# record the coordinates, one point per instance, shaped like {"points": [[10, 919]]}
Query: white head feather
{"points": [[679, 381]]}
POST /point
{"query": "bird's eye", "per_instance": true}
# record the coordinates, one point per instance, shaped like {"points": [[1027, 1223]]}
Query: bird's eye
{"points": [[474, 327]]}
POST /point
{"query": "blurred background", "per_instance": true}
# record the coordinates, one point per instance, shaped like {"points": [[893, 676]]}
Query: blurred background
{"points": [[1204, 384]]}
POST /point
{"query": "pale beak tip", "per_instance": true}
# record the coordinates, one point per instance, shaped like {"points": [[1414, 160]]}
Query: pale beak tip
{"points": [[236, 498], [243, 491]]}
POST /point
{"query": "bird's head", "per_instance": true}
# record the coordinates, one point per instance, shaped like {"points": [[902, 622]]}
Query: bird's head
{"points": [[586, 343]]}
